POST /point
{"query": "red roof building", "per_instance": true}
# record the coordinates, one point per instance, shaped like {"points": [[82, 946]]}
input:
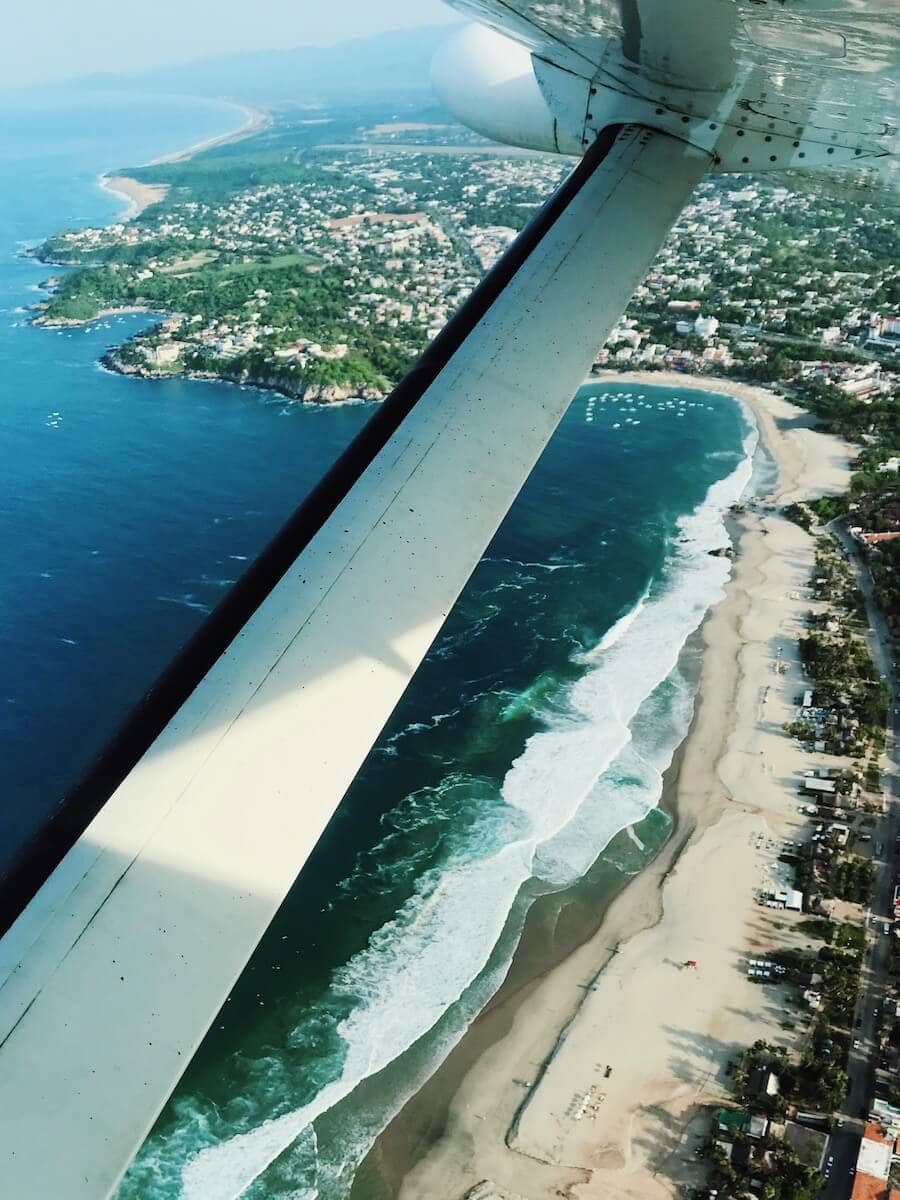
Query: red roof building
{"points": [[873, 1166]]}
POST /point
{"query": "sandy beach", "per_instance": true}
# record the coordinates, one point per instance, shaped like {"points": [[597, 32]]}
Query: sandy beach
{"points": [[139, 196], [589, 1078], [255, 120], [136, 195]]}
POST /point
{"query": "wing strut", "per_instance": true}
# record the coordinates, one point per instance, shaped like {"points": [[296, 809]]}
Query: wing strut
{"points": [[113, 972]]}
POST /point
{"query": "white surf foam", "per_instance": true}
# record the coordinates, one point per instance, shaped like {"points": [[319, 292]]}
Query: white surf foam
{"points": [[414, 967], [565, 807], [616, 632]]}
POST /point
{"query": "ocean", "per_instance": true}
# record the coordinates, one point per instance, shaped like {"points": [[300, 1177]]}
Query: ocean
{"points": [[528, 751], [125, 511]]}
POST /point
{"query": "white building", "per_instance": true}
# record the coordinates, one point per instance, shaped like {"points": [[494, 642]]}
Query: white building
{"points": [[706, 327], [162, 356]]}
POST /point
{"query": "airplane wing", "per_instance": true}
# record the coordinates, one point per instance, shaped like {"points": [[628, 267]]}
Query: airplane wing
{"points": [[764, 86], [127, 925]]}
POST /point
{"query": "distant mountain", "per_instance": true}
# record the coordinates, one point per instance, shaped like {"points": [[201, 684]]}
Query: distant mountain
{"points": [[387, 64]]}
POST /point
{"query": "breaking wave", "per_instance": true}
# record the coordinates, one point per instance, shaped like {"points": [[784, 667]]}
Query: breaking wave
{"points": [[594, 768]]}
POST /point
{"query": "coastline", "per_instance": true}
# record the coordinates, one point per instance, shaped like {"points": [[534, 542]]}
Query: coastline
{"points": [[494, 1113], [75, 322], [136, 195], [139, 196], [308, 393], [255, 120]]}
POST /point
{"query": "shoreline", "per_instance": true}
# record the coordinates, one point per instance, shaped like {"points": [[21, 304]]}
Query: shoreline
{"points": [[322, 394], [136, 195], [139, 196], [255, 120], [550, 1018], [126, 310]]}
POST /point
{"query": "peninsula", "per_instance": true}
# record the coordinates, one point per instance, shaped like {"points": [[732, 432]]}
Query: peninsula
{"points": [[283, 264], [318, 258]]}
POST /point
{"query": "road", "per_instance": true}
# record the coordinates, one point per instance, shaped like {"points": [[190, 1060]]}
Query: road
{"points": [[875, 978], [792, 339]]}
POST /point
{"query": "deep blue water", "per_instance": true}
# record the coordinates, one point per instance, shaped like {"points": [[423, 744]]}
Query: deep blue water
{"points": [[536, 732], [124, 519]]}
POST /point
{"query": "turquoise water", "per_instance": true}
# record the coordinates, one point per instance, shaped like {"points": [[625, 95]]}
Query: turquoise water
{"points": [[537, 729]]}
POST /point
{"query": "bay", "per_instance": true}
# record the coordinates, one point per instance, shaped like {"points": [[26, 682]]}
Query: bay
{"points": [[535, 734]]}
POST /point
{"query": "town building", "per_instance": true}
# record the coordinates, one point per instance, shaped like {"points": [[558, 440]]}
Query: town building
{"points": [[817, 787], [873, 1165]]}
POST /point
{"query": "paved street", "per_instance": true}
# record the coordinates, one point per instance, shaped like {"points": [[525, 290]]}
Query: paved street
{"points": [[870, 1007]]}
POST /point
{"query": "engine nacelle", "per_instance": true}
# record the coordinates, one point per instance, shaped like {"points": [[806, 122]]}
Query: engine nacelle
{"points": [[487, 82]]}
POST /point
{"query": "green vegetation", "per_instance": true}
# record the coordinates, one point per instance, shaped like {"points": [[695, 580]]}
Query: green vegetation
{"points": [[840, 983], [804, 731], [208, 178], [299, 299], [315, 271], [842, 934], [846, 416], [851, 878], [841, 666], [850, 937], [785, 1177], [790, 1179], [815, 1082], [736, 1157], [871, 501], [835, 656], [800, 515], [215, 291]]}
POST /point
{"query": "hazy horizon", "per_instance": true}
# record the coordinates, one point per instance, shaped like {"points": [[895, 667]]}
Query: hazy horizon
{"points": [[96, 36]]}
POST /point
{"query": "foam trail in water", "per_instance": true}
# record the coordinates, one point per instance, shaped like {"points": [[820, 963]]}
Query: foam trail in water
{"points": [[420, 963], [616, 632]]}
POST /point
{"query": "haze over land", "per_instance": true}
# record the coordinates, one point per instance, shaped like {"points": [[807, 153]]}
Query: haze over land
{"points": [[393, 62], [96, 36]]}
